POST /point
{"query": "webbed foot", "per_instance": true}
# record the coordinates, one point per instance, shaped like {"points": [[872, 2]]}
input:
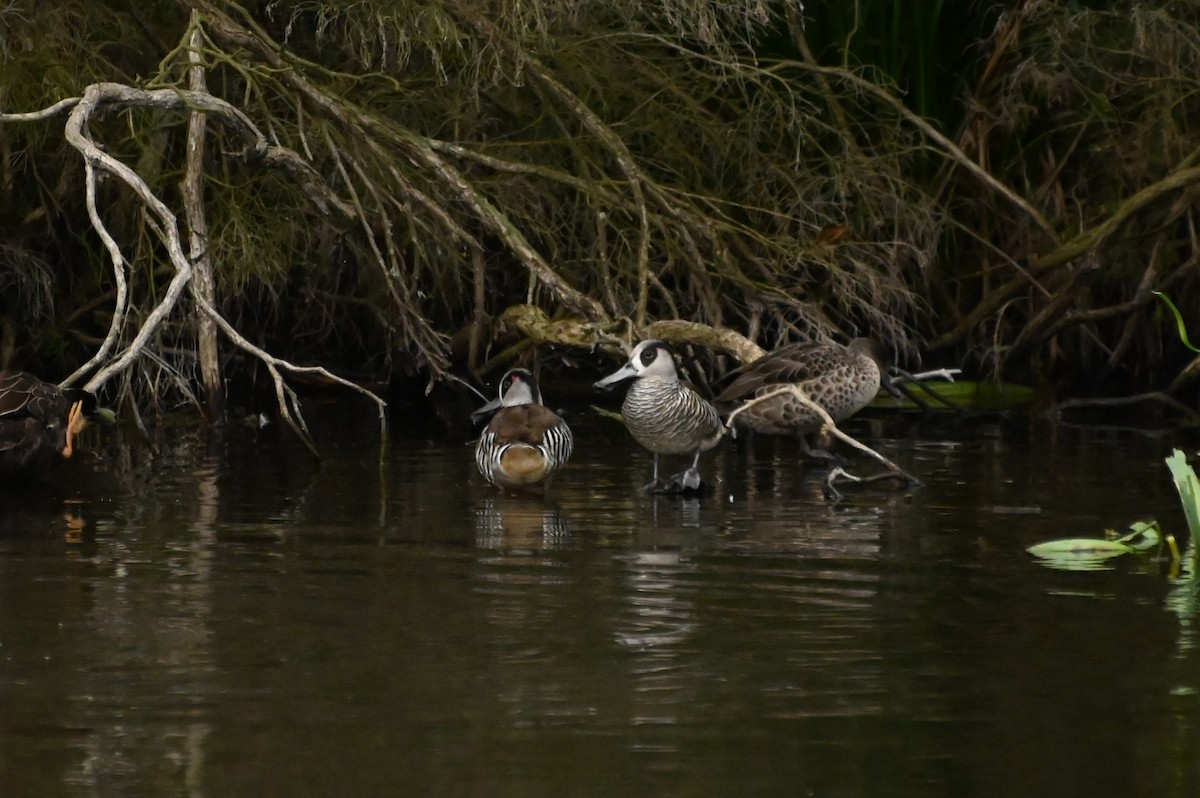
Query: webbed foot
{"points": [[687, 480]]}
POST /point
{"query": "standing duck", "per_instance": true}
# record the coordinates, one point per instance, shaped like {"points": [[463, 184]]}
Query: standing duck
{"points": [[841, 379], [663, 414], [38, 423], [525, 442]]}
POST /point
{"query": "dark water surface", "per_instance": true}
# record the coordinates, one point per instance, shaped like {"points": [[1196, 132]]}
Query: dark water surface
{"points": [[237, 620]]}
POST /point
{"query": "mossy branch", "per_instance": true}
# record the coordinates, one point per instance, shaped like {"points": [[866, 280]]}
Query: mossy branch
{"points": [[533, 324]]}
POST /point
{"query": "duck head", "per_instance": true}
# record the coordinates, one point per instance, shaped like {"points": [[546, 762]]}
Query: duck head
{"points": [[651, 358], [517, 387]]}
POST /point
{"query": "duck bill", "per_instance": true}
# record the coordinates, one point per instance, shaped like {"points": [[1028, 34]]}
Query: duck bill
{"points": [[490, 407], [625, 372]]}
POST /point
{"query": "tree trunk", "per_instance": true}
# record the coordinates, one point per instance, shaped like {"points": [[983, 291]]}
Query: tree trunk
{"points": [[202, 284]]}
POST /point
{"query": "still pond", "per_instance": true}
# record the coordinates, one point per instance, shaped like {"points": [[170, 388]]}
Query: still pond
{"points": [[232, 618]]}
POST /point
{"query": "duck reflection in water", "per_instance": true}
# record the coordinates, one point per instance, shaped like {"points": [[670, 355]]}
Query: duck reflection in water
{"points": [[38, 512], [656, 629], [519, 522]]}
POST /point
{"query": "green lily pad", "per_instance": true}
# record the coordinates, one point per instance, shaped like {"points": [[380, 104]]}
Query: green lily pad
{"points": [[1089, 554], [1080, 549], [1078, 554]]}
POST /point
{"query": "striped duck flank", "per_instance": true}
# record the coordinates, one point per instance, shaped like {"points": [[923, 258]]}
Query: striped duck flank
{"points": [[38, 423], [525, 442], [663, 414], [841, 379]]}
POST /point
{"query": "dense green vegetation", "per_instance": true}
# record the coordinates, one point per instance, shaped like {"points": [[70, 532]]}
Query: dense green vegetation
{"points": [[385, 186]]}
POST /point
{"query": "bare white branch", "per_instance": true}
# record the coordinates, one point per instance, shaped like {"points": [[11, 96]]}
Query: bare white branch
{"points": [[121, 302], [105, 95]]}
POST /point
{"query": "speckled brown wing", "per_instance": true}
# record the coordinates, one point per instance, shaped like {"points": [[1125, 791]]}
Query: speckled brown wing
{"points": [[787, 365]]}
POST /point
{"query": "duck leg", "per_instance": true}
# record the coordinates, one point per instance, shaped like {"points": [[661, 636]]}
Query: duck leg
{"points": [[654, 485], [689, 479]]}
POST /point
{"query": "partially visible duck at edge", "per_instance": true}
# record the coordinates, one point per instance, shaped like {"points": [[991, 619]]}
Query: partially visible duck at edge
{"points": [[841, 379], [38, 423], [525, 443], [663, 414]]}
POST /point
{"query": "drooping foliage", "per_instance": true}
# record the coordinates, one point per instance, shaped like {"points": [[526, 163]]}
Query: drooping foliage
{"points": [[638, 155], [614, 164], [1093, 114]]}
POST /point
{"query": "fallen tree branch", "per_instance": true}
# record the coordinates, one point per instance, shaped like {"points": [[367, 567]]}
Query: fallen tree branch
{"points": [[1096, 235], [894, 471], [95, 97], [121, 300], [532, 323], [289, 403], [718, 338]]}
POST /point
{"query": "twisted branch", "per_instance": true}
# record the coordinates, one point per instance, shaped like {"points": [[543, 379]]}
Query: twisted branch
{"points": [[108, 96], [894, 471]]}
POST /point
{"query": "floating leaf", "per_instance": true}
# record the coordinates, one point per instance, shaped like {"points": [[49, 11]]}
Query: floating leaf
{"points": [[1078, 554], [1183, 336], [1142, 535], [1080, 548]]}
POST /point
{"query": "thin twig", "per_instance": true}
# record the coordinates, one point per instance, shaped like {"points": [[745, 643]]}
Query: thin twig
{"points": [[1159, 397]]}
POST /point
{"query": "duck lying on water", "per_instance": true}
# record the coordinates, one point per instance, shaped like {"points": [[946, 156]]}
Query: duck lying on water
{"points": [[525, 442], [663, 414], [841, 379], [38, 423]]}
